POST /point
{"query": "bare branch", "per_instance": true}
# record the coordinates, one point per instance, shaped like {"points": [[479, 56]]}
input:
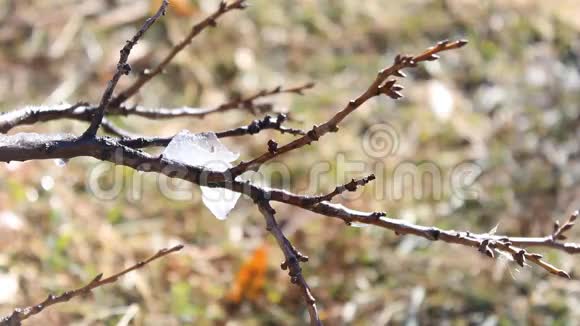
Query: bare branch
{"points": [[83, 111], [256, 126], [292, 261], [30, 146], [558, 233], [33, 114], [22, 147], [210, 21], [20, 314], [379, 86], [25, 147], [351, 186], [247, 103], [481, 241], [123, 68]]}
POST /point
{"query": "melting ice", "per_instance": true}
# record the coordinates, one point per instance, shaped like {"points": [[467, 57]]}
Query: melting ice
{"points": [[204, 149]]}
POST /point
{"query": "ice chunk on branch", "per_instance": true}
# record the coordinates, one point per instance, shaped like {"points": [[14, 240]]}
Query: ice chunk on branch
{"points": [[205, 150]]}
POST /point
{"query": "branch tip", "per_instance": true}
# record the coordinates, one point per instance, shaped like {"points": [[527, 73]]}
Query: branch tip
{"points": [[123, 68]]}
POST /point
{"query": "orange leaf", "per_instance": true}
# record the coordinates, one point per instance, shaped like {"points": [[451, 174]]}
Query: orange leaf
{"points": [[250, 279]]}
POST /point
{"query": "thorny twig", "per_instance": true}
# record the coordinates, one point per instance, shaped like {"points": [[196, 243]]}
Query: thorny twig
{"points": [[20, 314]]}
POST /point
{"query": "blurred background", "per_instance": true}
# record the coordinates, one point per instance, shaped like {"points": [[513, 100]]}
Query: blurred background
{"points": [[507, 105]]}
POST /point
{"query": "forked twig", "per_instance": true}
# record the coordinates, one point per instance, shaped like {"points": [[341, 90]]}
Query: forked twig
{"points": [[123, 68], [292, 261], [210, 21]]}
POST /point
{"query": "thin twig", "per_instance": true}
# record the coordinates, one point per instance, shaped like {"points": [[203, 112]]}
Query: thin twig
{"points": [[379, 86], [209, 21], [123, 68], [560, 230], [292, 260], [247, 103], [110, 128], [513, 245], [256, 126], [33, 114], [20, 314], [351, 186], [82, 111]]}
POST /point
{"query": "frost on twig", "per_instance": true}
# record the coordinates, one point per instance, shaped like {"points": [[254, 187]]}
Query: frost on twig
{"points": [[205, 150]]}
